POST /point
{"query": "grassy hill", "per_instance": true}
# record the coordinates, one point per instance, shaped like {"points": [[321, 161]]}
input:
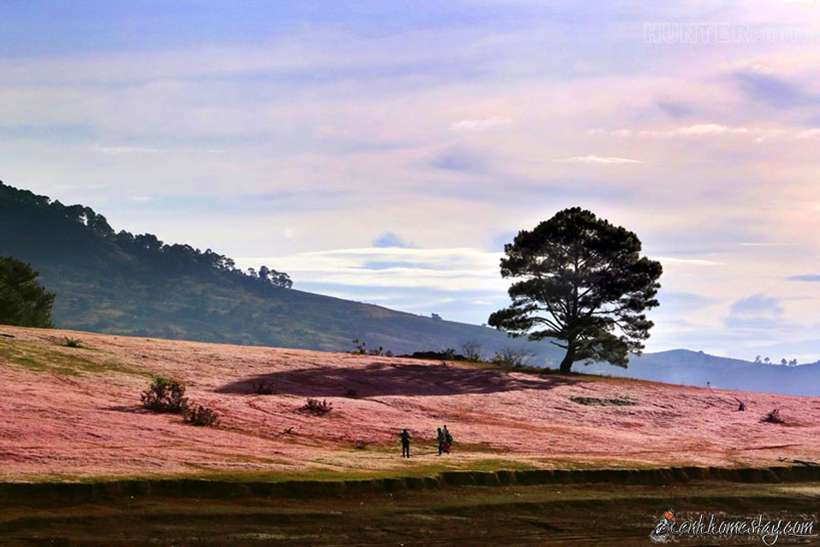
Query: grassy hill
{"points": [[75, 412], [117, 282]]}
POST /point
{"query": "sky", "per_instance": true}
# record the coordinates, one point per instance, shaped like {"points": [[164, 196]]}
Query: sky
{"points": [[385, 151]]}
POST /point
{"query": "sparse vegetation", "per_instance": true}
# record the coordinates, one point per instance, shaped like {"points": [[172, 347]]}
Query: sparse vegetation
{"points": [[201, 415], [352, 394], [262, 387], [472, 351], [512, 358], [317, 407], [165, 395], [72, 342], [361, 349], [774, 417], [595, 401]]}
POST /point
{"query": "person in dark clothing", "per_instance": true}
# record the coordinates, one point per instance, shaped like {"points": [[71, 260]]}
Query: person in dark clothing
{"points": [[441, 439], [405, 443], [448, 440]]}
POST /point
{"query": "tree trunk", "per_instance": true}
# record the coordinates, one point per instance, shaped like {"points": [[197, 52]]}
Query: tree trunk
{"points": [[569, 358]]}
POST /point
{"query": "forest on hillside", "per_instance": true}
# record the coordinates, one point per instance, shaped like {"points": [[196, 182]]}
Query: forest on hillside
{"points": [[120, 283]]}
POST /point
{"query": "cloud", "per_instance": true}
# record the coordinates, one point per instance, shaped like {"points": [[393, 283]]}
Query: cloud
{"points": [[675, 261], [812, 278], [809, 133], [757, 304], [757, 134], [599, 160], [389, 239], [675, 302], [459, 159], [772, 90], [481, 124], [443, 269], [126, 149], [757, 313], [754, 323], [674, 109]]}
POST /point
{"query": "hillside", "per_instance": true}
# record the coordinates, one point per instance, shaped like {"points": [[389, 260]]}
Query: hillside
{"points": [[74, 412], [117, 282], [697, 368]]}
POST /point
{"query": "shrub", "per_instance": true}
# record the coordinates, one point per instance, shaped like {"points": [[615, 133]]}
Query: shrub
{"points": [[361, 347], [509, 357], [201, 416], [261, 387], [774, 417], [317, 407], [352, 394], [472, 351], [360, 445], [72, 342], [165, 395]]}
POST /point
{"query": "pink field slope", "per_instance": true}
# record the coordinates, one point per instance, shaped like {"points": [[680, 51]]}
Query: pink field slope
{"points": [[75, 413]]}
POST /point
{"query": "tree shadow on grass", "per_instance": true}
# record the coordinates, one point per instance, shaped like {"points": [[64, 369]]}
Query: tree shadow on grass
{"points": [[379, 379], [131, 409]]}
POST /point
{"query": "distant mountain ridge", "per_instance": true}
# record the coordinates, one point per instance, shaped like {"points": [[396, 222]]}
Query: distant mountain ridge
{"points": [[701, 369], [120, 283]]}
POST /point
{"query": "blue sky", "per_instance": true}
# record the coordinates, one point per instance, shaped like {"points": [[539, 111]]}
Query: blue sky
{"points": [[385, 151]]}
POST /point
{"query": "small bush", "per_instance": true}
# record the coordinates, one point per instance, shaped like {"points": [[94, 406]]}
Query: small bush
{"points": [[165, 395], [262, 387], [774, 417], [509, 357], [317, 407], [361, 347], [201, 416], [72, 342], [360, 445], [352, 394], [472, 351]]}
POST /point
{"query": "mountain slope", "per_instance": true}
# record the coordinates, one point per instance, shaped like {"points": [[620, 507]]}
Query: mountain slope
{"points": [[134, 284], [701, 369]]}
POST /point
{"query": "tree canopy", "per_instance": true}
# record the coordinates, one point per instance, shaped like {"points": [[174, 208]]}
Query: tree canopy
{"points": [[583, 283], [42, 230], [23, 302]]}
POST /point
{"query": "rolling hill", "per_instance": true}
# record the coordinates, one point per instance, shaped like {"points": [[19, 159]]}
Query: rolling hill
{"points": [[120, 283], [74, 412], [696, 368]]}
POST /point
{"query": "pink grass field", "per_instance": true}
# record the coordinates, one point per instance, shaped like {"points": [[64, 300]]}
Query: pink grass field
{"points": [[74, 413]]}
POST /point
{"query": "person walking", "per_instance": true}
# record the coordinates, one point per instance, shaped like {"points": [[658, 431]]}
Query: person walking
{"points": [[448, 439], [441, 440], [405, 443]]}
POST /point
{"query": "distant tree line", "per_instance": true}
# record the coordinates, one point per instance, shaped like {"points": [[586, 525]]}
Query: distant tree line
{"points": [[80, 234], [760, 360]]}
